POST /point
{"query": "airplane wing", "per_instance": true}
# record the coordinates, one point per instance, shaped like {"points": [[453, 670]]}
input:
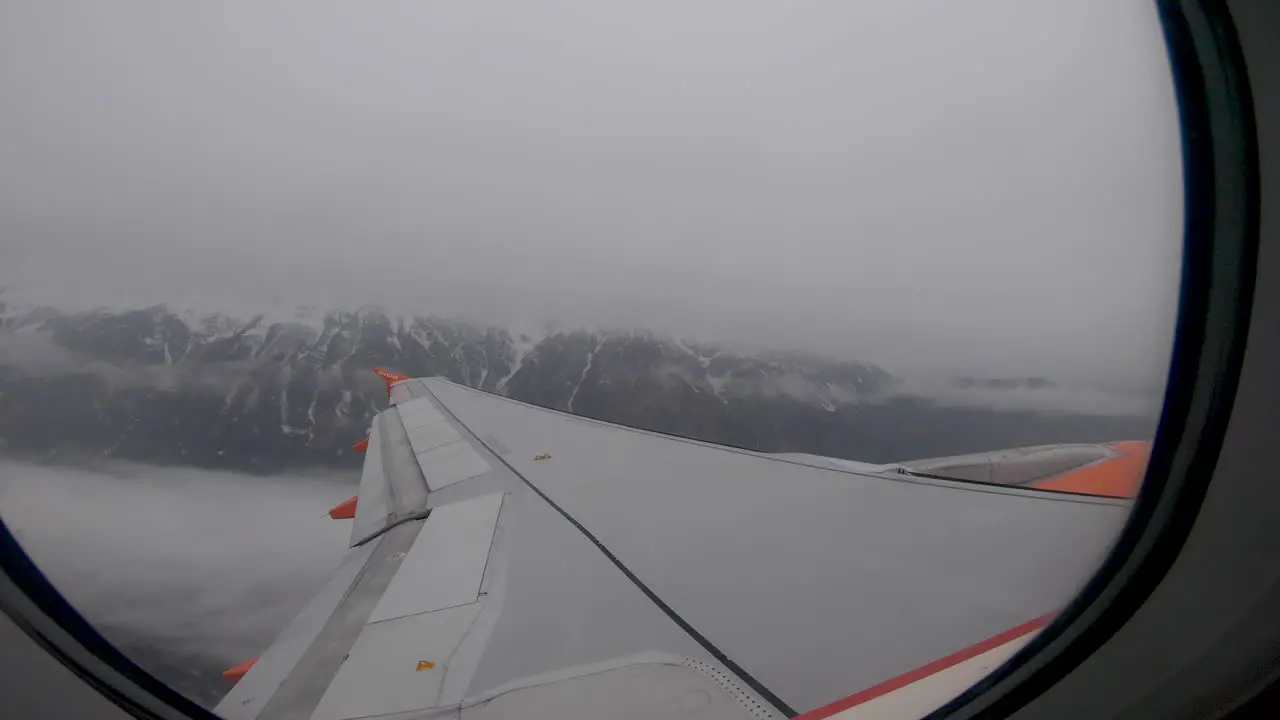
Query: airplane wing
{"points": [[509, 561]]}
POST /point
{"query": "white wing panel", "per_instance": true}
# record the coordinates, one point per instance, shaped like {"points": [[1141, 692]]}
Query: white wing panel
{"points": [[418, 413], [446, 563], [766, 557], [400, 393], [429, 437], [374, 505], [415, 420], [397, 665], [452, 463]]}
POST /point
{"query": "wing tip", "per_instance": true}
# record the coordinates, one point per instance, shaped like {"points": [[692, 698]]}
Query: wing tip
{"points": [[389, 377]]}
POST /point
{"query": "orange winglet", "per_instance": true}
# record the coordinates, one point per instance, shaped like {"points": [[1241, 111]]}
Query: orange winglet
{"points": [[234, 674], [346, 509], [362, 446], [389, 377], [1119, 477]]}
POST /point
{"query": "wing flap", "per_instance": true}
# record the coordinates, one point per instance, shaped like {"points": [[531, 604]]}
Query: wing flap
{"points": [[373, 500], [392, 487], [397, 665], [452, 463], [447, 561]]}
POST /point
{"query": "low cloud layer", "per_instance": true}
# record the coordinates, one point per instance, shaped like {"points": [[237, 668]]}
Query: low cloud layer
{"points": [[187, 563], [35, 353], [1068, 397]]}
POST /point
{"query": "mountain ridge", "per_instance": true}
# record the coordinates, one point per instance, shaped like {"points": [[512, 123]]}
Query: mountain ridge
{"points": [[261, 395]]}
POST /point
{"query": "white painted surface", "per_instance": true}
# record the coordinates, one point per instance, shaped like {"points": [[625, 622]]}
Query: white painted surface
{"points": [[767, 557], [400, 393], [414, 421], [432, 436], [923, 696], [650, 691], [446, 563], [374, 505], [419, 412], [452, 463], [381, 675]]}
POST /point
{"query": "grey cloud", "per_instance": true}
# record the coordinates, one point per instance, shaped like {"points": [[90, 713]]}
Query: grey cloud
{"points": [[1098, 398], [34, 353], [985, 187], [209, 564]]}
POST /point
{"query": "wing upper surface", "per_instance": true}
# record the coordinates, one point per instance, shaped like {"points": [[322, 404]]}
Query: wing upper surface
{"points": [[814, 580], [464, 589], [500, 548]]}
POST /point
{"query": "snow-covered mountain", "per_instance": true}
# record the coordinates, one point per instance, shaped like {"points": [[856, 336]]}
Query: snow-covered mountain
{"points": [[264, 393]]}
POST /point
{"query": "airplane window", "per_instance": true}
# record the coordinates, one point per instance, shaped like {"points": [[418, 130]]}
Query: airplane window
{"points": [[772, 359]]}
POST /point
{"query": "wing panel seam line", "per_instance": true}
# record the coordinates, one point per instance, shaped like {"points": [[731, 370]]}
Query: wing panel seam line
{"points": [[670, 612]]}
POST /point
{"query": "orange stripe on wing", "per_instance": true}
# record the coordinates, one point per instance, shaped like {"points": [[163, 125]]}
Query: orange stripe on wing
{"points": [[925, 671], [1118, 477]]}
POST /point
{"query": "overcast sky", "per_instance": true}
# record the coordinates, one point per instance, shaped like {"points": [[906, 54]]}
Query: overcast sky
{"points": [[986, 186]]}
